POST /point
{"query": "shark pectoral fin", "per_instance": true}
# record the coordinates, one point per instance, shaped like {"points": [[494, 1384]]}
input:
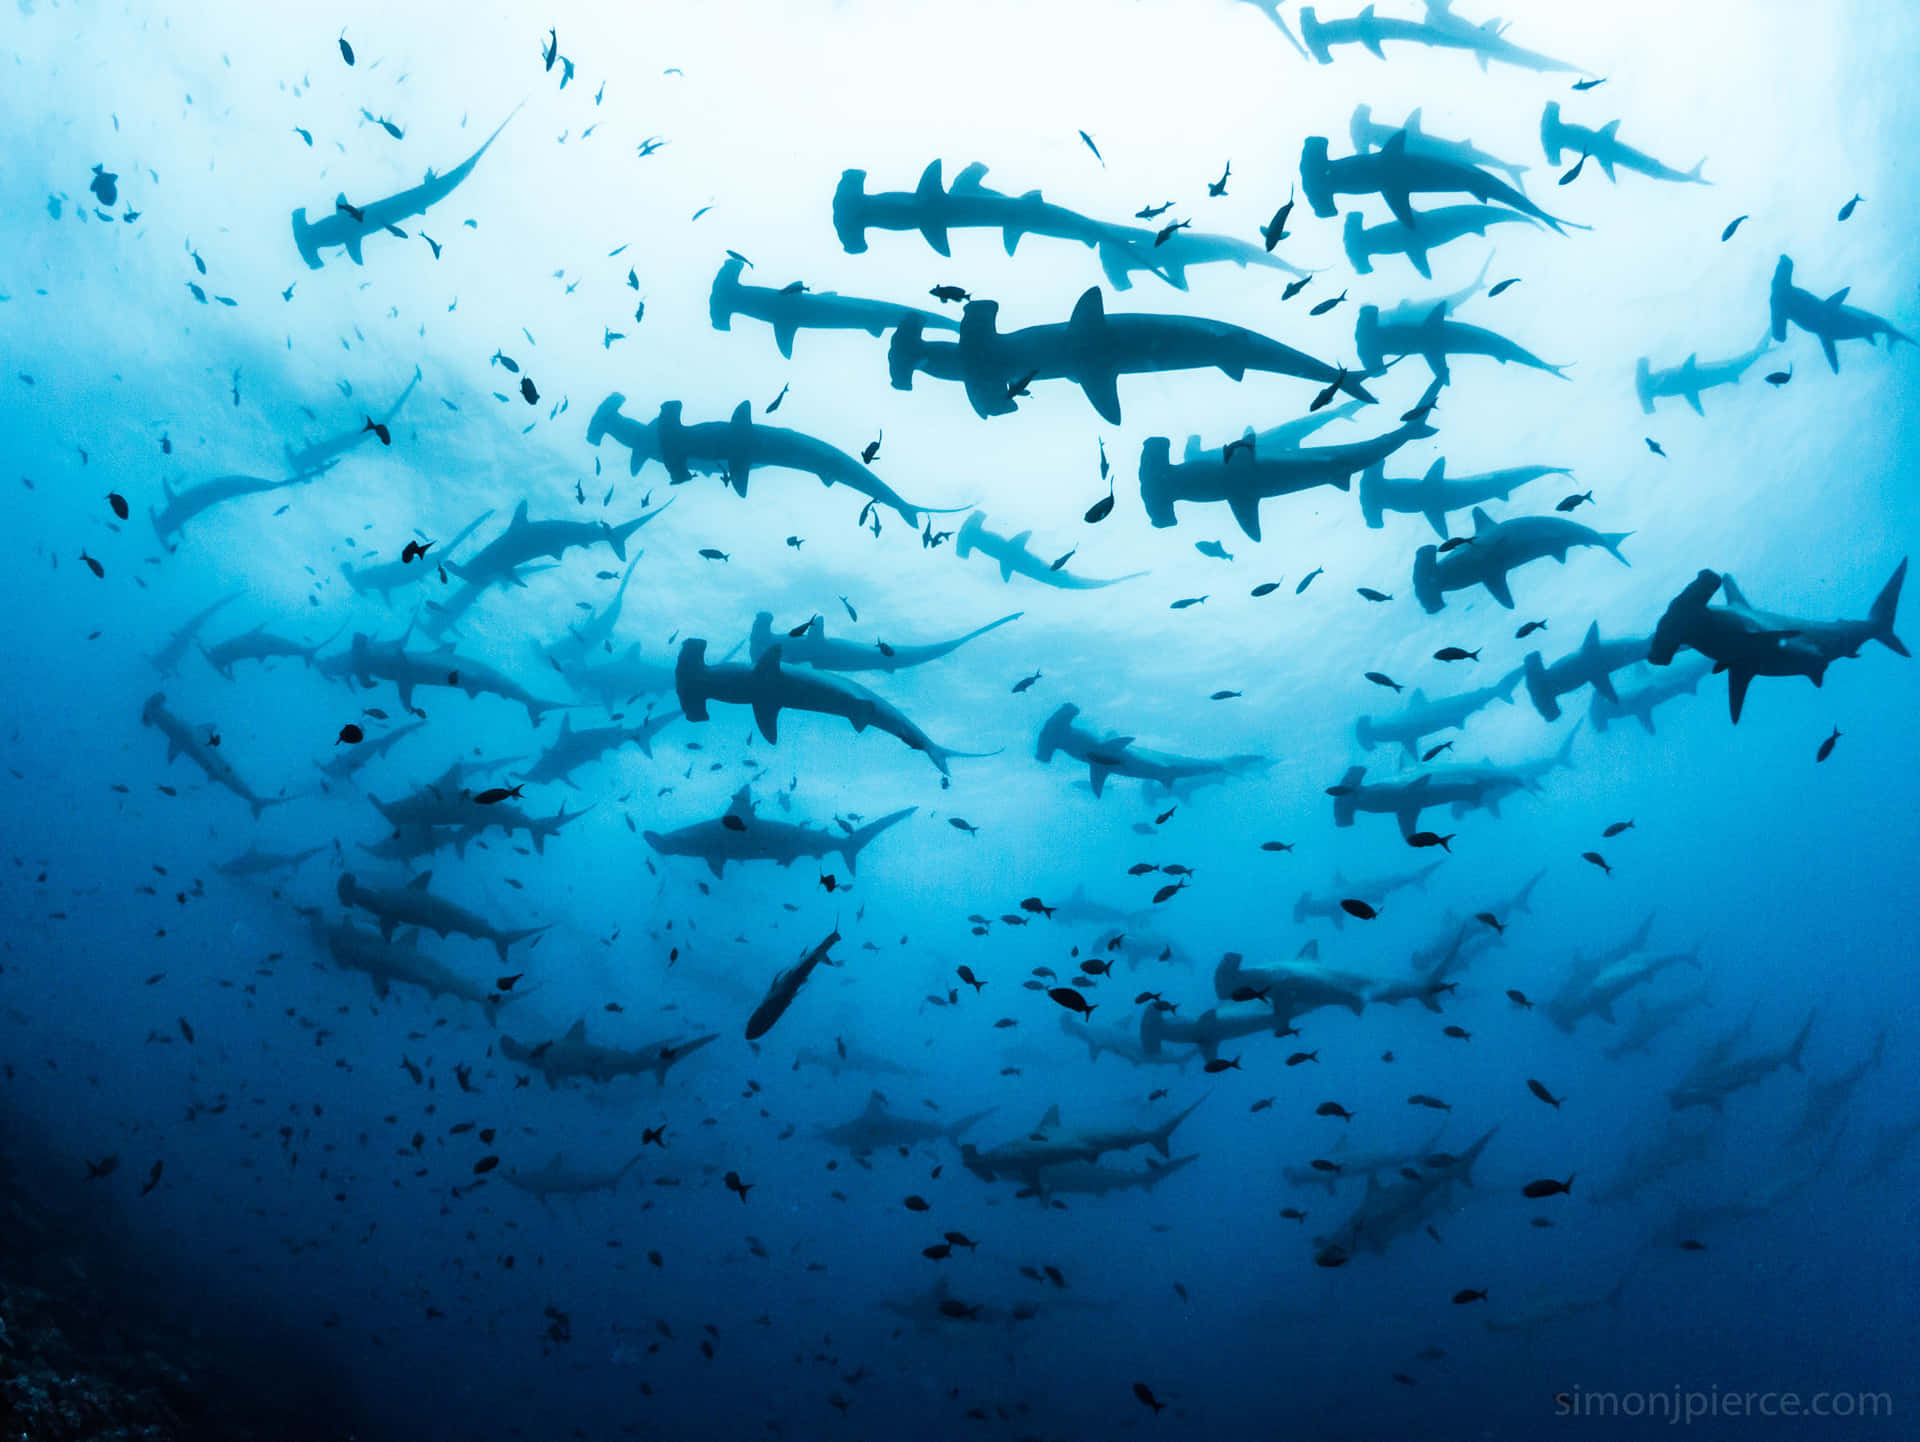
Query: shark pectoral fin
{"points": [[1103, 393], [1603, 683], [783, 332], [1437, 518], [1497, 588], [1606, 165], [766, 715], [1246, 510], [936, 236], [352, 243], [1737, 683], [578, 1031], [1833, 356], [1097, 775]]}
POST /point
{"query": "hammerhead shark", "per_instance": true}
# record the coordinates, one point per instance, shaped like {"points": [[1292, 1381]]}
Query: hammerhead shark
{"points": [[1746, 642], [1638, 702], [367, 661], [1011, 554], [1830, 321], [1421, 717], [349, 225], [183, 506], [1433, 495], [414, 905], [255, 862], [1248, 477], [349, 759], [627, 675], [555, 1179], [499, 560], [791, 310], [1593, 663], [1205, 1032], [1434, 340], [186, 740], [813, 647], [1690, 377], [323, 455], [572, 1055], [1369, 134], [1023, 1158], [1292, 989], [1497, 549], [732, 449], [1718, 1073], [1118, 756], [742, 834], [1093, 350], [1090, 1179], [1396, 174], [575, 747], [1438, 227], [1441, 30], [258, 644], [1122, 1041], [390, 961], [1371, 889], [970, 204], [1605, 148], [1464, 788], [386, 577], [769, 687]]}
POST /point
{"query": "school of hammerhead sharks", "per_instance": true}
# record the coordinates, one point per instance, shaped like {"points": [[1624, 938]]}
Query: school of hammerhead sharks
{"points": [[1401, 199]]}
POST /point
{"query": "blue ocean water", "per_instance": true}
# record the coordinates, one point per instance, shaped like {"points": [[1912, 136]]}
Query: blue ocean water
{"points": [[389, 1176]]}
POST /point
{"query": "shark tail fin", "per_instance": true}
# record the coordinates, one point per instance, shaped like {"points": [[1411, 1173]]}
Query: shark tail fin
{"points": [[1163, 1134], [852, 845], [503, 940], [1695, 176], [1884, 607]]}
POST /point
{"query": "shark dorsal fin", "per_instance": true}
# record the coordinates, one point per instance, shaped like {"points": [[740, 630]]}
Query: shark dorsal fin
{"points": [[1839, 295], [577, 1032], [769, 661], [1417, 696], [743, 414], [1438, 470], [1088, 311], [1412, 127], [929, 180], [1609, 130], [1050, 1120], [1437, 315], [1482, 522], [742, 803], [1735, 596], [419, 883], [876, 1103], [520, 512], [1396, 144], [1592, 641]]}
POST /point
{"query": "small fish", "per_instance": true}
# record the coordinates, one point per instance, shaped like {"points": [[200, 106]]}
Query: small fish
{"points": [[346, 50], [1226, 695], [1539, 1089], [1487, 918], [1307, 580], [1358, 909], [1547, 1187], [1062, 560], [1165, 816], [1655, 447], [949, 294], [1574, 174], [1218, 188], [105, 1167], [1503, 287], [529, 391], [1145, 1393], [738, 1187], [774, 405], [653, 143], [1433, 751], [1732, 225], [1266, 588], [1295, 287], [359, 215], [153, 1178], [94, 566], [1019, 387], [1458, 1033], [119, 504], [414, 551], [1421, 1099], [1301, 1057], [1276, 846], [1220, 1064], [1519, 999], [871, 449], [1462, 1297], [1594, 858], [1615, 829], [1025, 683], [1037, 907], [350, 735], [306, 135], [1453, 543], [709, 553], [1327, 305], [734, 821], [485, 1165], [1167, 232], [1776, 379], [1690, 1245], [852, 614], [1182, 604], [494, 795], [1846, 211], [1369, 594], [939, 1252], [1275, 230], [1432, 838], [960, 823], [1100, 510], [385, 436], [1088, 140], [1152, 212], [917, 1204], [1589, 84], [1380, 678], [1528, 629], [1325, 398], [1333, 1109], [1826, 746], [1072, 999], [1168, 892], [1213, 549], [1575, 502]]}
